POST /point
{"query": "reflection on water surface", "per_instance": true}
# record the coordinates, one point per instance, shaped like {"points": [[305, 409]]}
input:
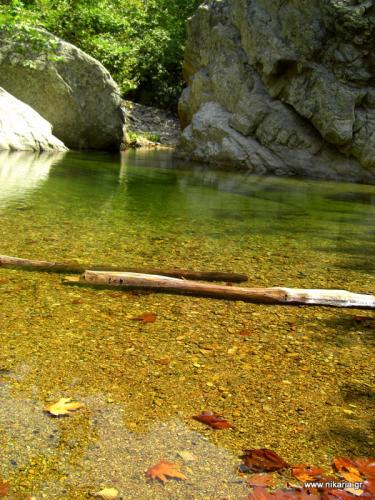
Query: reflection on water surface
{"points": [[298, 381]]}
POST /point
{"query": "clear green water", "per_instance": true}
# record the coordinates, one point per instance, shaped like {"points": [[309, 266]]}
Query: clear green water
{"points": [[299, 381]]}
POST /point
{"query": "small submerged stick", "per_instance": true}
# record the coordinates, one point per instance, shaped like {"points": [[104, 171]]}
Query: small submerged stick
{"points": [[276, 295], [61, 267]]}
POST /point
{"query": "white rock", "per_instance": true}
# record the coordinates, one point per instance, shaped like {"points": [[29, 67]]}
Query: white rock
{"points": [[23, 129]]}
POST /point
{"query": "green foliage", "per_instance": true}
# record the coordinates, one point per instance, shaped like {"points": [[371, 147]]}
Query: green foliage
{"points": [[140, 42], [26, 38], [133, 137]]}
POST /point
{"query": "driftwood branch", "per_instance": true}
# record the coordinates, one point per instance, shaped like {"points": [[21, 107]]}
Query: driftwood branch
{"points": [[277, 295], [61, 267]]}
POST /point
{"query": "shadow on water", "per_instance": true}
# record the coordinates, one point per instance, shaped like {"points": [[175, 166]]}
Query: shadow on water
{"points": [[361, 267], [350, 436], [348, 439], [365, 198], [349, 330], [366, 250]]}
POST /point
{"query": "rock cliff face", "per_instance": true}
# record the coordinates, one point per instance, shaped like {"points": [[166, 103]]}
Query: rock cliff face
{"points": [[23, 129], [282, 86], [73, 91]]}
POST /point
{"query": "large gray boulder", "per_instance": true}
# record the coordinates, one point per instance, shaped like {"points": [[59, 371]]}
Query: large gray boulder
{"points": [[71, 90], [284, 87], [23, 129]]}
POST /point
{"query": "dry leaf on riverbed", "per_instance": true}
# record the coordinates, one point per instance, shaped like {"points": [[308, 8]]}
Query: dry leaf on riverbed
{"points": [[369, 486], [347, 469], [4, 487], [261, 480], [214, 421], [65, 406], [163, 470], [260, 493], [146, 318], [244, 333], [305, 472], [263, 460], [366, 466]]}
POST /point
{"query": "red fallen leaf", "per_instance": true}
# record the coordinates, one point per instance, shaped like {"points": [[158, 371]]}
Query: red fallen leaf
{"points": [[263, 460], [261, 480], [366, 466], [146, 318], [214, 421], [369, 485], [260, 493], [163, 470], [306, 473], [359, 319], [347, 469], [337, 495], [4, 487], [295, 494], [244, 333], [365, 319]]}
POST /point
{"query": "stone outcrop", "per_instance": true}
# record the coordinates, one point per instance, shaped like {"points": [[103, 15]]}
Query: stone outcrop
{"points": [[71, 90], [23, 129], [283, 87]]}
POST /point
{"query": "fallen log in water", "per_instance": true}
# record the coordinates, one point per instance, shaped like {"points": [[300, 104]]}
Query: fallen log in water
{"points": [[61, 267], [277, 295]]}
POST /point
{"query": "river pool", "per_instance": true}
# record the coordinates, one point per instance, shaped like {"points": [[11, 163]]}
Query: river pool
{"points": [[297, 380]]}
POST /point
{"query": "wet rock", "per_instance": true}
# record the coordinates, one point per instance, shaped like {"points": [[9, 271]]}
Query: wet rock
{"points": [[268, 95]]}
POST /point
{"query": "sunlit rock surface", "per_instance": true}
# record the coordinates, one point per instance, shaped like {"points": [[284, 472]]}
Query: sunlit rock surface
{"points": [[282, 87], [23, 129], [72, 90]]}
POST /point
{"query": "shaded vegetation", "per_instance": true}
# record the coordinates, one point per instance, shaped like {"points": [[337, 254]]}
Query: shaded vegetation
{"points": [[140, 42]]}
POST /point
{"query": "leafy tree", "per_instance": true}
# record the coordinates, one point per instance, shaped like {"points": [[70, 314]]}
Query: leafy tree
{"points": [[140, 42]]}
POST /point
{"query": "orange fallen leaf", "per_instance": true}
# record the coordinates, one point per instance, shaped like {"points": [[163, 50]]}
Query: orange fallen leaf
{"points": [[347, 469], [63, 407], [263, 460], [214, 421], [305, 472], [163, 470], [369, 485], [146, 318], [366, 466], [4, 487], [261, 480]]}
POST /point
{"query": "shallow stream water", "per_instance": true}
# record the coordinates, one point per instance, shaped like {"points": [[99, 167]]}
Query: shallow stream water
{"points": [[297, 380]]}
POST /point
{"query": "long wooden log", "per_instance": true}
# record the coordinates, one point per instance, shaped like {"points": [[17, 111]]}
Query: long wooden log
{"points": [[277, 295], [61, 267]]}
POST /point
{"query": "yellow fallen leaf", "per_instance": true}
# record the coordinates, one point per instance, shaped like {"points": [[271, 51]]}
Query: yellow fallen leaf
{"points": [[64, 406], [107, 493]]}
